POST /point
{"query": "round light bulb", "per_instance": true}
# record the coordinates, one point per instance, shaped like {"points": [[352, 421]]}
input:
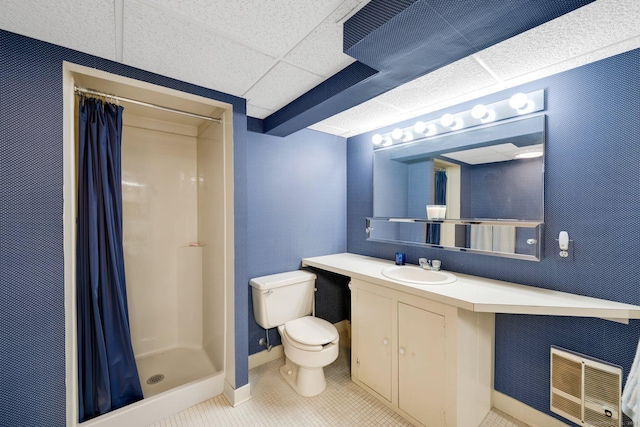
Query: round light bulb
{"points": [[479, 111], [420, 127], [397, 133], [447, 120], [376, 139], [518, 101]]}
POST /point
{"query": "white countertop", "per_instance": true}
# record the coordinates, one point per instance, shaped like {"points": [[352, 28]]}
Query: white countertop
{"points": [[479, 294]]}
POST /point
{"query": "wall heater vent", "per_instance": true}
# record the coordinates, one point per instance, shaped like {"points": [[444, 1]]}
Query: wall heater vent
{"points": [[584, 390]]}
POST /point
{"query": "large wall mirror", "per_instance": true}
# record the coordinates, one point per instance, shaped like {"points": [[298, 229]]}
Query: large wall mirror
{"points": [[480, 189]]}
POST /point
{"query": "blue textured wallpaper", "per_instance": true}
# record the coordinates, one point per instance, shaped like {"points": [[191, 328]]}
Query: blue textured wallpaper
{"points": [[32, 359], [504, 190], [592, 190], [297, 209]]}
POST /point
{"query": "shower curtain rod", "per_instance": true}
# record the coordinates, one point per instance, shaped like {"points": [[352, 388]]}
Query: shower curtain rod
{"points": [[146, 104]]}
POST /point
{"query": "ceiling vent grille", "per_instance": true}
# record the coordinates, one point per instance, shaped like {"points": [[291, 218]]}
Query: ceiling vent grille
{"points": [[584, 390]]}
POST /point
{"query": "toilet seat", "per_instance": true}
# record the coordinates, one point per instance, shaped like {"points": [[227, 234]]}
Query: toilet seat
{"points": [[309, 333]]}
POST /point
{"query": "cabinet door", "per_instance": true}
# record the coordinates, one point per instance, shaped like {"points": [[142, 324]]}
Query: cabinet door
{"points": [[421, 361], [373, 320]]}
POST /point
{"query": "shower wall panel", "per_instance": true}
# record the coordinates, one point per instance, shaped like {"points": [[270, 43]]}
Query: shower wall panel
{"points": [[211, 232], [160, 215]]}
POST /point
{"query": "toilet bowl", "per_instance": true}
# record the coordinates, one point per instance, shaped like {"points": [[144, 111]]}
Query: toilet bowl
{"points": [[310, 344], [285, 301]]}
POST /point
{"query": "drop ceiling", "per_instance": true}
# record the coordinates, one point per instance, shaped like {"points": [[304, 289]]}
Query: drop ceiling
{"points": [[271, 53]]}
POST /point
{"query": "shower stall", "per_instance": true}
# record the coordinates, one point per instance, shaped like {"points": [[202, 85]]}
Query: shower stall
{"points": [[174, 306], [178, 240]]}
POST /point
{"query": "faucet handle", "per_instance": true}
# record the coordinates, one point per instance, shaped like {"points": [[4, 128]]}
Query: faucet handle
{"points": [[424, 263], [436, 264]]}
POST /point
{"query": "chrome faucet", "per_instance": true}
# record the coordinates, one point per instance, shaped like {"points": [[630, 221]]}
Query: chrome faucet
{"points": [[428, 264]]}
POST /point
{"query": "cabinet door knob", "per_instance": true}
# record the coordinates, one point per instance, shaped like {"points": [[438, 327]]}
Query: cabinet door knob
{"points": [[385, 341], [401, 350]]}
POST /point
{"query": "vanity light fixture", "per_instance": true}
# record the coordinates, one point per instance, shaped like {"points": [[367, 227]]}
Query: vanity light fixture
{"points": [[447, 120], [527, 108], [521, 103], [514, 106], [420, 127], [479, 111], [426, 129], [518, 101], [482, 113], [459, 124], [431, 129], [397, 134]]}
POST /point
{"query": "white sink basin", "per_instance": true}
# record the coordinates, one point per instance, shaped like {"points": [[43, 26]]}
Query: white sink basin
{"points": [[418, 275]]}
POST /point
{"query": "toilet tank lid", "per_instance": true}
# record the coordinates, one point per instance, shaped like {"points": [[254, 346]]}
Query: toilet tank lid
{"points": [[281, 279]]}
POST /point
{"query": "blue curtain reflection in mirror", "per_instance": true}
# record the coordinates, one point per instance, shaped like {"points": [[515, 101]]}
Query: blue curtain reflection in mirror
{"points": [[433, 230]]}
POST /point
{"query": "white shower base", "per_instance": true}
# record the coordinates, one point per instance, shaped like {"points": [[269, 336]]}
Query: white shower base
{"points": [[179, 366], [163, 404]]}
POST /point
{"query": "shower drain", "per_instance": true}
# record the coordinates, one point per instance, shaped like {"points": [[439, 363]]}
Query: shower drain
{"points": [[155, 379]]}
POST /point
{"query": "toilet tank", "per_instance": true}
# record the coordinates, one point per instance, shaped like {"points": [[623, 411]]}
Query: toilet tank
{"points": [[281, 297]]}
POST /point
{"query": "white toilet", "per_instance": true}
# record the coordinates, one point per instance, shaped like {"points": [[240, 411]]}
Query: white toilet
{"points": [[285, 301]]}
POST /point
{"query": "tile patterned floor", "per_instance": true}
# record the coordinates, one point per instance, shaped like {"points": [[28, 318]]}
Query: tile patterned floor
{"points": [[274, 403]]}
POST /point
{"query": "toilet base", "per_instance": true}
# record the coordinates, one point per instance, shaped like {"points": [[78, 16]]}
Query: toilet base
{"points": [[307, 382]]}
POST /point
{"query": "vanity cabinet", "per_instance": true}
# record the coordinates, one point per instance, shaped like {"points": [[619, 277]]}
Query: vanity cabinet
{"points": [[447, 332], [421, 357], [372, 363]]}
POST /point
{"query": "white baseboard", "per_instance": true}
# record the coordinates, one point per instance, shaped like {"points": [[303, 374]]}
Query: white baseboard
{"points": [[237, 396], [524, 412], [266, 356]]}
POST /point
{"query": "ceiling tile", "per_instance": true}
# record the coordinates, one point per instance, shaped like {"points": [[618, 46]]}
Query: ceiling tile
{"points": [[368, 116], [585, 30], [463, 76], [321, 52], [160, 43], [258, 112], [328, 129], [234, 46], [415, 98], [281, 85], [576, 61], [88, 27], [273, 27]]}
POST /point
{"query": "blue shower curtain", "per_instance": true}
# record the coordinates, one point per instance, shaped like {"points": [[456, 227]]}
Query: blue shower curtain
{"points": [[433, 230], [107, 372]]}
